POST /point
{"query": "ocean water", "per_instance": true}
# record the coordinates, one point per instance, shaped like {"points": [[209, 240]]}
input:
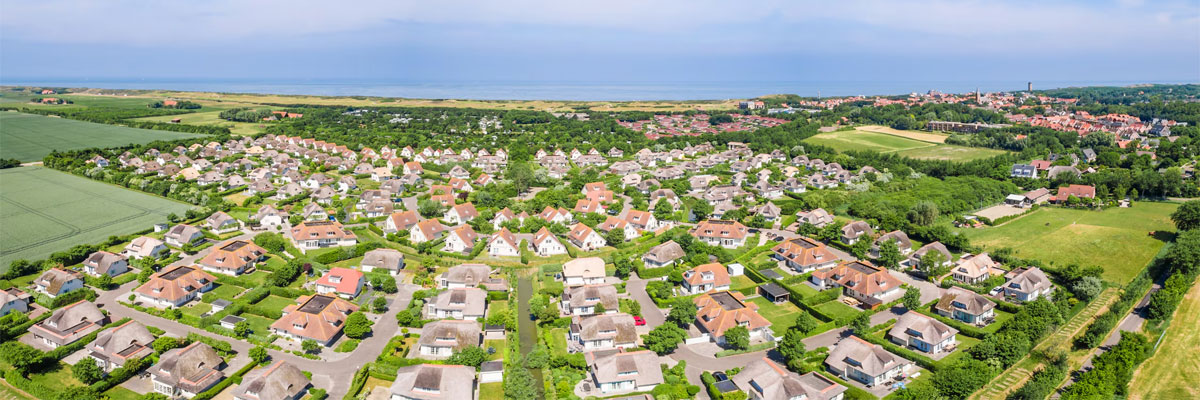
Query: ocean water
{"points": [[528, 90]]}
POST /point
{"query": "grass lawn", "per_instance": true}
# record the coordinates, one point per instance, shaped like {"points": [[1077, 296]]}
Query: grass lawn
{"points": [[922, 145], [212, 118], [258, 325], [804, 290], [29, 137], [10, 393], [1116, 238], [501, 347], [372, 383], [782, 315], [274, 302], [44, 211], [496, 306], [741, 282], [275, 262], [837, 309], [964, 342], [1171, 373], [120, 393], [557, 341], [491, 391], [196, 309], [348, 263], [258, 277], [866, 140], [58, 378], [950, 152], [223, 291]]}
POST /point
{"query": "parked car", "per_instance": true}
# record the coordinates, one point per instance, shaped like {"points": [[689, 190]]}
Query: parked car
{"points": [[639, 321]]}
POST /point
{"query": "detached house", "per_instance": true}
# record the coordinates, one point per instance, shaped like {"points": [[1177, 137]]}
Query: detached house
{"points": [[923, 333], [461, 213], [175, 287], [69, 324], [765, 380], [818, 218], [460, 240], [105, 263], [966, 306], [13, 301], [185, 372], [865, 282], [915, 258], [863, 361], [1028, 285], [898, 237], [278, 381], [463, 276], [804, 254], [545, 244], [706, 278], [468, 303], [723, 233], [663, 255], [586, 239], [312, 235], [425, 231], [145, 246], [583, 271], [233, 257], [589, 299], [431, 381], [401, 221], [343, 282], [975, 268], [113, 347], [441, 339], [390, 260], [220, 222], [58, 281], [856, 230], [503, 244], [636, 371], [182, 234], [314, 317], [719, 311], [602, 332]]}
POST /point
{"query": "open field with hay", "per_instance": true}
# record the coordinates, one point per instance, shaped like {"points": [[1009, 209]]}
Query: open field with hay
{"points": [[921, 145]]}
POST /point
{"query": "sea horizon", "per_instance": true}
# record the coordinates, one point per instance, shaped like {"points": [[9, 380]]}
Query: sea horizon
{"points": [[561, 90]]}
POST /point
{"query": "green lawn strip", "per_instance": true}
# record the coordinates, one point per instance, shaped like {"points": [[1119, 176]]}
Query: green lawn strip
{"points": [[29, 137], [837, 309], [491, 391]]}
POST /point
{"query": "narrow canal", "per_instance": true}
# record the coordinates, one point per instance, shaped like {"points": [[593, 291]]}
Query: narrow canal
{"points": [[526, 325]]}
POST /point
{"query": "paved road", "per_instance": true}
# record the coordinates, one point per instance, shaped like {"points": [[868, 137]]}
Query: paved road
{"points": [[1131, 323], [333, 375], [636, 287]]}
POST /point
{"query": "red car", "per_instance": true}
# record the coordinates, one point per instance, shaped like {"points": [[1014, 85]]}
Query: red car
{"points": [[638, 321]]}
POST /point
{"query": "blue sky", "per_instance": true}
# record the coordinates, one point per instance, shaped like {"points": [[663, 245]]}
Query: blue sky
{"points": [[617, 41]]}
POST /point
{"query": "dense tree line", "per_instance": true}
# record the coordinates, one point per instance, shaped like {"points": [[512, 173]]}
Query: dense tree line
{"points": [[125, 117], [1125, 94], [244, 115], [180, 105]]}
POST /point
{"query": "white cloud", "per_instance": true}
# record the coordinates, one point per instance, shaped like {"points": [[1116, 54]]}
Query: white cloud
{"points": [[1000, 26]]}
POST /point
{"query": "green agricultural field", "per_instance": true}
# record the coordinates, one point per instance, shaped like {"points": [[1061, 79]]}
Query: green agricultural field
{"points": [[44, 211], [1117, 238], [212, 118], [870, 140], [29, 137]]}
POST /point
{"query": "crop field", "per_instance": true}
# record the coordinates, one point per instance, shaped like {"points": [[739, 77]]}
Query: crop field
{"points": [[921, 145], [44, 211], [1116, 238], [1171, 373], [29, 137]]}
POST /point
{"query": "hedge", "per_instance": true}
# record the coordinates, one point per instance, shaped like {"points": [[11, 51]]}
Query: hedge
{"points": [[62, 351], [121, 374], [18, 330], [923, 361], [963, 328], [360, 379], [21, 382], [751, 349], [235, 378], [71, 298]]}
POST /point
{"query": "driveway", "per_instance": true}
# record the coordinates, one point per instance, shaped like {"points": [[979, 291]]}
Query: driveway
{"points": [[636, 287], [333, 375], [929, 291]]}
